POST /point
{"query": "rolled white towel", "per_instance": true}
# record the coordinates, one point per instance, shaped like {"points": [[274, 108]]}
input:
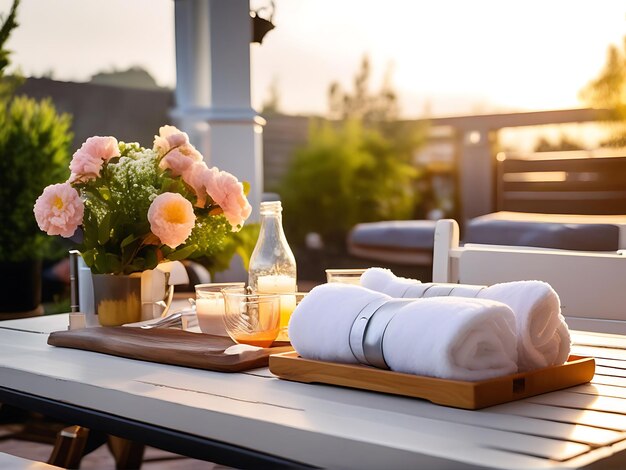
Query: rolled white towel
{"points": [[391, 284], [320, 325], [542, 334], [476, 342]]}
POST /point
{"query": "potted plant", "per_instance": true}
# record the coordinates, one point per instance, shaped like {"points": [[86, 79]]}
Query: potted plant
{"points": [[34, 152], [135, 207]]}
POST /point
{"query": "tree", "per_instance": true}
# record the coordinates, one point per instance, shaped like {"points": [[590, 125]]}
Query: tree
{"points": [[7, 83], [34, 152], [379, 111], [564, 143], [345, 175], [608, 90], [133, 77], [355, 168], [372, 109]]}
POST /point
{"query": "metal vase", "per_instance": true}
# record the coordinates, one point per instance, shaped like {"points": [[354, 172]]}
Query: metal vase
{"points": [[117, 298]]}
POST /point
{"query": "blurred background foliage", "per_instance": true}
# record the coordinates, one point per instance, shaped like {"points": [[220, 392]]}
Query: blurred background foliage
{"points": [[356, 167], [608, 90], [34, 152]]}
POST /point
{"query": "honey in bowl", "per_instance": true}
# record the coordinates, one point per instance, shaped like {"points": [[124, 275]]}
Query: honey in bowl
{"points": [[252, 319], [262, 340]]}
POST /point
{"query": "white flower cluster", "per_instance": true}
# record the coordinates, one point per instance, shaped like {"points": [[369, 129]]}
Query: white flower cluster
{"points": [[134, 180]]}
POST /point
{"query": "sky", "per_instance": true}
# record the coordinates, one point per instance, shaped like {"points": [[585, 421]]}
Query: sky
{"points": [[445, 57]]}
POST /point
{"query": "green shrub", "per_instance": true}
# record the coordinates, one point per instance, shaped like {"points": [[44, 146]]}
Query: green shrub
{"points": [[241, 243], [345, 175], [34, 152]]}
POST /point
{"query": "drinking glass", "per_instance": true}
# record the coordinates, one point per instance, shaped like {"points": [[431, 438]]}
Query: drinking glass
{"points": [[210, 308], [251, 318], [344, 276]]}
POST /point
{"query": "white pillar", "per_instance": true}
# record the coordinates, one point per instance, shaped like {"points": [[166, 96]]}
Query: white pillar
{"points": [[213, 88]]}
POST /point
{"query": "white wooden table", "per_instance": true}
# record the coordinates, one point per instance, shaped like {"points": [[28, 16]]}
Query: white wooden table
{"points": [[256, 420]]}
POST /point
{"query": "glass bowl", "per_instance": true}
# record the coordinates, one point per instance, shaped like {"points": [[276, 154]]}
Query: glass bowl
{"points": [[251, 318]]}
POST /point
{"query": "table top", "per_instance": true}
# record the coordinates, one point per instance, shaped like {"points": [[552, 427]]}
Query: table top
{"points": [[325, 426]]}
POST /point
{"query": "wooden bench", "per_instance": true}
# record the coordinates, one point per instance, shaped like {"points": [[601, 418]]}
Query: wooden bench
{"points": [[595, 185], [549, 202], [589, 284]]}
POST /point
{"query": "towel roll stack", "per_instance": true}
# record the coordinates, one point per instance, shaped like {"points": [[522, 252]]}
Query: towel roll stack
{"points": [[543, 337], [352, 324]]}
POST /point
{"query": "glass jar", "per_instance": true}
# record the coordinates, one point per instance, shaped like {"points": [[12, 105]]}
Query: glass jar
{"points": [[272, 264]]}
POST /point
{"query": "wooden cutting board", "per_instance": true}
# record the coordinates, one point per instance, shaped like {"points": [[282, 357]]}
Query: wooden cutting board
{"points": [[460, 394], [165, 346]]}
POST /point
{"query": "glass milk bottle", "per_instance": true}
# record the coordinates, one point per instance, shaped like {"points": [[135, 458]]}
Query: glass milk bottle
{"points": [[272, 264]]}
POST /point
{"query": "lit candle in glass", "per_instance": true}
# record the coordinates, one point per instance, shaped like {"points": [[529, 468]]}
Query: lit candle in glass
{"points": [[210, 307], [287, 306], [276, 284], [210, 312], [279, 284]]}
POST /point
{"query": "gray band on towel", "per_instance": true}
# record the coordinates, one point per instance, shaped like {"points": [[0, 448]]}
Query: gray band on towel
{"points": [[442, 290], [439, 290], [357, 332], [467, 290], [368, 330], [375, 332], [416, 291], [404, 294]]}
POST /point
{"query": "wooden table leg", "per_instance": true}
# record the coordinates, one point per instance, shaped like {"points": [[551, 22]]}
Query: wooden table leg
{"points": [[69, 447], [127, 454]]}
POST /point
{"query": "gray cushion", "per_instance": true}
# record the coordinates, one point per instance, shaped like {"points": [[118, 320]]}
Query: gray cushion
{"points": [[397, 234], [584, 237]]}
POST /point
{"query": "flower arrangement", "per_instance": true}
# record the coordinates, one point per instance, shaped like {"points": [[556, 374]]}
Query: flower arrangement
{"points": [[137, 207]]}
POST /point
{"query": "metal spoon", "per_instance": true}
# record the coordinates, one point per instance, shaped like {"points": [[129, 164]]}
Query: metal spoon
{"points": [[175, 319]]}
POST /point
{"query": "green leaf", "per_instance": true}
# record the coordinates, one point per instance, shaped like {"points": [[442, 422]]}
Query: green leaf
{"points": [[113, 263], [104, 229], [137, 265], [128, 240], [89, 257], [90, 231], [105, 192], [182, 253], [151, 258], [100, 263], [246, 187], [129, 252]]}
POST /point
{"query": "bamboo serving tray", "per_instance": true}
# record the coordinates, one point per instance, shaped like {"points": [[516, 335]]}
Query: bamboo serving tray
{"points": [[165, 346], [459, 394]]}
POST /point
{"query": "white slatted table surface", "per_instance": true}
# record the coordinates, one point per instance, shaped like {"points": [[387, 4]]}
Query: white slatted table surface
{"points": [[329, 426]]}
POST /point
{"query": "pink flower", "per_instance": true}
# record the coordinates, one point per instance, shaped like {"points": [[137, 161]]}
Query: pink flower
{"points": [[171, 218], [228, 193], [169, 137], [178, 154], [178, 162], [88, 159], [198, 177], [59, 210]]}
